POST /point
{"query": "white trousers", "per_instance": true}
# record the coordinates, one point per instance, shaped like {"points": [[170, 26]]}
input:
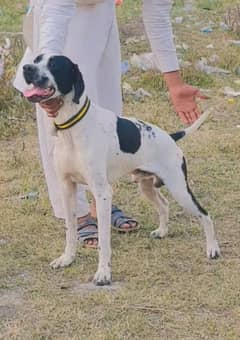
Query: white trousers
{"points": [[92, 43]]}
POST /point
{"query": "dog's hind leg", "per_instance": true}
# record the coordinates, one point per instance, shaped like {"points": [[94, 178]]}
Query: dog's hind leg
{"points": [[176, 182], [69, 203], [160, 203]]}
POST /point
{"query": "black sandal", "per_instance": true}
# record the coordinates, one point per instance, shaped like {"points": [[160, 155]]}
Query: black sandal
{"points": [[118, 218], [86, 235]]}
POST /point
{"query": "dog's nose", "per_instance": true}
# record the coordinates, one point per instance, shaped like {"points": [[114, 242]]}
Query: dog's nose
{"points": [[28, 68], [29, 73]]}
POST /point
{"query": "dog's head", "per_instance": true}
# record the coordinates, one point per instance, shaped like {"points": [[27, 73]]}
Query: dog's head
{"points": [[52, 76]]}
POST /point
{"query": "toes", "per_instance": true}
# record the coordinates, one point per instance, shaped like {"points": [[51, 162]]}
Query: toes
{"points": [[55, 264], [91, 243], [62, 261], [155, 235], [102, 277], [129, 225], [214, 252], [158, 234], [214, 255], [102, 282]]}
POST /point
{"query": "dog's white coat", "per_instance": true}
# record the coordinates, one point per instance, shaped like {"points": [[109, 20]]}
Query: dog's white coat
{"points": [[89, 153]]}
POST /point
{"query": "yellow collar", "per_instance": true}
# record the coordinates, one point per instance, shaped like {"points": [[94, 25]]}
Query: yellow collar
{"points": [[76, 118]]}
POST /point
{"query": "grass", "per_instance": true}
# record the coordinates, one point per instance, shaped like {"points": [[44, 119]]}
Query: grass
{"points": [[169, 290], [11, 13]]}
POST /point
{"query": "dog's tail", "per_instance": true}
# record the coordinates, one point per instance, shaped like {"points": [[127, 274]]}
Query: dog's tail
{"points": [[196, 125]]}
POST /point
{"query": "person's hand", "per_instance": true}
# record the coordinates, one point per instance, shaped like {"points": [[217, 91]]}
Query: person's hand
{"points": [[184, 97], [118, 2], [52, 106]]}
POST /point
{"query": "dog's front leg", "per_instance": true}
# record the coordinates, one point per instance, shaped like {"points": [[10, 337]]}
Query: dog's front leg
{"points": [[69, 203], [103, 197]]}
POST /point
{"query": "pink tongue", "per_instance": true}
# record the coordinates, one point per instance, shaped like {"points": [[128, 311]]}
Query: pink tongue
{"points": [[35, 91]]}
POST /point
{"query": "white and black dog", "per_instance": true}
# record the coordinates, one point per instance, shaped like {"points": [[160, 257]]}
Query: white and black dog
{"points": [[95, 147]]}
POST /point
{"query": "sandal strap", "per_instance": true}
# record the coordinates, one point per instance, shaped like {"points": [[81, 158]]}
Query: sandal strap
{"points": [[89, 236], [84, 235], [118, 217], [86, 223]]}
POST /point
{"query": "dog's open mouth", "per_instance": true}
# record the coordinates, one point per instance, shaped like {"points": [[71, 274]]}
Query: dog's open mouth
{"points": [[37, 94]]}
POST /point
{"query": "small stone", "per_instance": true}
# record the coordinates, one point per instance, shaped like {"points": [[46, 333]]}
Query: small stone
{"points": [[223, 26], [210, 46], [237, 71], [234, 42], [125, 67], [178, 20], [206, 30], [229, 92], [30, 195], [214, 58], [185, 64], [185, 46]]}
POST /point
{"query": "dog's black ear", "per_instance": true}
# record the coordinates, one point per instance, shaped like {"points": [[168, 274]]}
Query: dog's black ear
{"points": [[78, 84]]}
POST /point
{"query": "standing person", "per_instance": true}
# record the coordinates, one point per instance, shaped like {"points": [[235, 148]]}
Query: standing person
{"points": [[86, 31]]}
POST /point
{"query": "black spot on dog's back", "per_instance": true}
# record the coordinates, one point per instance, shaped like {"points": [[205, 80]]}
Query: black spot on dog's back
{"points": [[146, 129], [145, 125], [129, 136]]}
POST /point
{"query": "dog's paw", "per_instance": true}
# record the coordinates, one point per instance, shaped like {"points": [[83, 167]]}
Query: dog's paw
{"points": [[62, 261], [213, 251], [102, 277], [158, 233]]}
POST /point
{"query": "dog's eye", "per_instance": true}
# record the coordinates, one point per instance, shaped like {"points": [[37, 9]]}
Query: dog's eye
{"points": [[53, 65], [50, 62], [38, 59]]}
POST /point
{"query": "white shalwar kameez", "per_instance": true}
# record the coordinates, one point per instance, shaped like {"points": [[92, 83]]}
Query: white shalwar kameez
{"points": [[88, 35]]}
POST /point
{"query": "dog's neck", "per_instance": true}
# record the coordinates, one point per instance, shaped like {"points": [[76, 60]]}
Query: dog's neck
{"points": [[69, 108]]}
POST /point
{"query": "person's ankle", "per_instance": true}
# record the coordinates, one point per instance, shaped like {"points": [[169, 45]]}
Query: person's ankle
{"points": [[83, 218], [93, 210]]}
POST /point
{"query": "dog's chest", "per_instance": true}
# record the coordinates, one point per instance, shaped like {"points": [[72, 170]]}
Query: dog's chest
{"points": [[69, 162]]}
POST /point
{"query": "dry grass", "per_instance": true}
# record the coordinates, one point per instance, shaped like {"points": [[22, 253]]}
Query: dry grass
{"points": [[169, 290]]}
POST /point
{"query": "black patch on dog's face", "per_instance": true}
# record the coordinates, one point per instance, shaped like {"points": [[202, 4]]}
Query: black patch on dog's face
{"points": [[67, 76], [38, 59], [128, 135], [31, 76], [184, 169]]}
